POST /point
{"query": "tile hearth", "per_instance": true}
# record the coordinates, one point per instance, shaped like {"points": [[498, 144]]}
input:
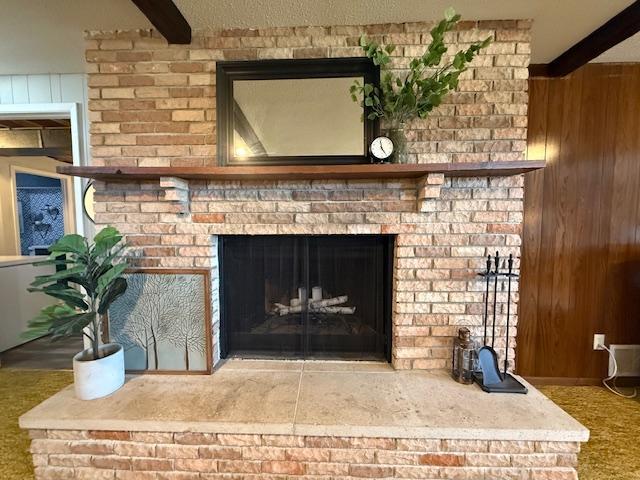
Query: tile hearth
{"points": [[313, 398], [303, 419]]}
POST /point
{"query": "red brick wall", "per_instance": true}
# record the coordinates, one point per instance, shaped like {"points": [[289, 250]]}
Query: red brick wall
{"points": [[60, 454]]}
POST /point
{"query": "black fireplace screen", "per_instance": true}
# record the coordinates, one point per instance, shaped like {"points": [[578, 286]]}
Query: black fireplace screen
{"points": [[306, 296]]}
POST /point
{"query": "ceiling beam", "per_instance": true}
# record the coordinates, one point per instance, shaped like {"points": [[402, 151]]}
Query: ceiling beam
{"points": [[57, 153], [166, 17], [617, 29], [243, 126]]}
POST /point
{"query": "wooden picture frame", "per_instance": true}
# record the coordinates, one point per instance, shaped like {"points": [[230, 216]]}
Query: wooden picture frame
{"points": [[207, 341]]}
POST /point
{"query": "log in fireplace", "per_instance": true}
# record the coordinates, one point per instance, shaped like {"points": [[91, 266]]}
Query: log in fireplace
{"points": [[306, 296]]}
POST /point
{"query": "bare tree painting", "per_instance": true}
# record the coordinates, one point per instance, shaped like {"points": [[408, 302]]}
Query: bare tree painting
{"points": [[161, 322], [188, 334]]}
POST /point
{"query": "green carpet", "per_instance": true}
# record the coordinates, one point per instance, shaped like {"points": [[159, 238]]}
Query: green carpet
{"points": [[21, 390], [612, 453]]}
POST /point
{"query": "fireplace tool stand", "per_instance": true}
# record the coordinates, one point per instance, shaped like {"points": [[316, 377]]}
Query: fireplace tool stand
{"points": [[488, 374]]}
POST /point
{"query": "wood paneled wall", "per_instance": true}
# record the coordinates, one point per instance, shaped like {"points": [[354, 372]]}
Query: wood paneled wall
{"points": [[581, 243]]}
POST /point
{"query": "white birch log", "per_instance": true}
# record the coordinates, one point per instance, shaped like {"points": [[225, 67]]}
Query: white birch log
{"points": [[327, 305], [336, 310], [316, 294], [287, 310], [327, 302]]}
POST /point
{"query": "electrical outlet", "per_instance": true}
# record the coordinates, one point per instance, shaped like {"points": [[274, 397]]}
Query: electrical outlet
{"points": [[598, 339]]}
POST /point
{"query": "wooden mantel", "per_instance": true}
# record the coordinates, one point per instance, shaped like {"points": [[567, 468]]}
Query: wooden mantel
{"points": [[306, 172]]}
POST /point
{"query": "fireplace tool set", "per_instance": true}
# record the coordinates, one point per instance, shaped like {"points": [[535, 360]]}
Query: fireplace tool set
{"points": [[487, 374]]}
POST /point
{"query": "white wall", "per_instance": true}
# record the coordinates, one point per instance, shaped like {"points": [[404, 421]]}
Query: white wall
{"points": [[19, 306], [47, 88]]}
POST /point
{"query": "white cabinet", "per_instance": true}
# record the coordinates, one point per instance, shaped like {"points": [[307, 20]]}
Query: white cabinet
{"points": [[17, 306]]}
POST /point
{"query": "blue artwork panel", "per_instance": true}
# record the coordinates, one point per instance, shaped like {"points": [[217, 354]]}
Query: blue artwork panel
{"points": [[40, 211]]}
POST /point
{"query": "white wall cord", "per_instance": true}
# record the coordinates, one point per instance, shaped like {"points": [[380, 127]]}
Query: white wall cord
{"points": [[614, 389]]}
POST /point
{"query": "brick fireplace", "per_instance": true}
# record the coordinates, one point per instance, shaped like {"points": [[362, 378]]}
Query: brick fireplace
{"points": [[437, 256], [153, 104]]}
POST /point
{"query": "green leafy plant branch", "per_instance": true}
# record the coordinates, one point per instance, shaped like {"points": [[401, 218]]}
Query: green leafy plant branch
{"points": [[418, 92], [96, 271]]}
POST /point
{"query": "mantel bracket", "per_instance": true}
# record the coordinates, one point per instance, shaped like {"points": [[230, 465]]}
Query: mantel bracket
{"points": [[429, 188], [176, 191]]}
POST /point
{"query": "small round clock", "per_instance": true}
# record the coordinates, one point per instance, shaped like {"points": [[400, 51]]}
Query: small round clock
{"points": [[381, 148]]}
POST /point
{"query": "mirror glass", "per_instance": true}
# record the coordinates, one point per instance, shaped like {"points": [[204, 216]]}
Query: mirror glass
{"points": [[302, 116]]}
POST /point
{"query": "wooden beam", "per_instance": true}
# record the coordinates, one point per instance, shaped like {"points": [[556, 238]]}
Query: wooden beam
{"points": [[166, 17], [62, 154], [245, 130], [617, 29], [538, 70]]}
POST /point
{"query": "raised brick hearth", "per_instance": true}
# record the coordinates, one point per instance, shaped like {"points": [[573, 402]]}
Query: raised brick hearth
{"points": [[308, 420]]}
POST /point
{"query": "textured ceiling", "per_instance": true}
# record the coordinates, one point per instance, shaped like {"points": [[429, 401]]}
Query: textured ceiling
{"points": [[40, 36]]}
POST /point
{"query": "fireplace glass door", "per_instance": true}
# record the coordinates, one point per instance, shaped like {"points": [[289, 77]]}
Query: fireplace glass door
{"points": [[306, 296]]}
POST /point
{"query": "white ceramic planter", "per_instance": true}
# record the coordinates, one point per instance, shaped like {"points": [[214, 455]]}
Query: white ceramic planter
{"points": [[98, 378]]}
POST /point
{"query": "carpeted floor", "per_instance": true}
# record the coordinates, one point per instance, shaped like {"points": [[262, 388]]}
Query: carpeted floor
{"points": [[613, 453], [20, 390]]}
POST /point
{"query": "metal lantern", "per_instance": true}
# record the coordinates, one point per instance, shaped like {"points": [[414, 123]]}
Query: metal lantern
{"points": [[463, 357]]}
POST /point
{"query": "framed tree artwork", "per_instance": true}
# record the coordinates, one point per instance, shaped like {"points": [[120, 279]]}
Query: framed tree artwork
{"points": [[163, 321]]}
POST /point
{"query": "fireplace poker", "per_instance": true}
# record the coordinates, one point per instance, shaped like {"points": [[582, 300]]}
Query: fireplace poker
{"points": [[495, 297], [509, 275]]}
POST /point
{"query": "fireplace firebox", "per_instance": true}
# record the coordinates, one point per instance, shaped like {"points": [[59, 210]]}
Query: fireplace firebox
{"points": [[306, 296]]}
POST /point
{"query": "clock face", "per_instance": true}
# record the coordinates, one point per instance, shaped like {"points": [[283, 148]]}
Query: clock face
{"points": [[381, 148]]}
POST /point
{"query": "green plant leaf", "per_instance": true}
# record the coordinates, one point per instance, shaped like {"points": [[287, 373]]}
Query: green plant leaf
{"points": [[417, 92], [104, 240], [105, 234], [70, 296], [54, 277], [109, 276], [54, 261], [115, 290], [449, 13], [73, 324], [40, 324], [71, 243]]}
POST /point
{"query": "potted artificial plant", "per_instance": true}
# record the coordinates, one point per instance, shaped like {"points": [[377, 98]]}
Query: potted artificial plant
{"points": [[86, 288], [406, 95]]}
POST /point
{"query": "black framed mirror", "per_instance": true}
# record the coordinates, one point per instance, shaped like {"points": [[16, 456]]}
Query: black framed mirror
{"points": [[293, 112]]}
